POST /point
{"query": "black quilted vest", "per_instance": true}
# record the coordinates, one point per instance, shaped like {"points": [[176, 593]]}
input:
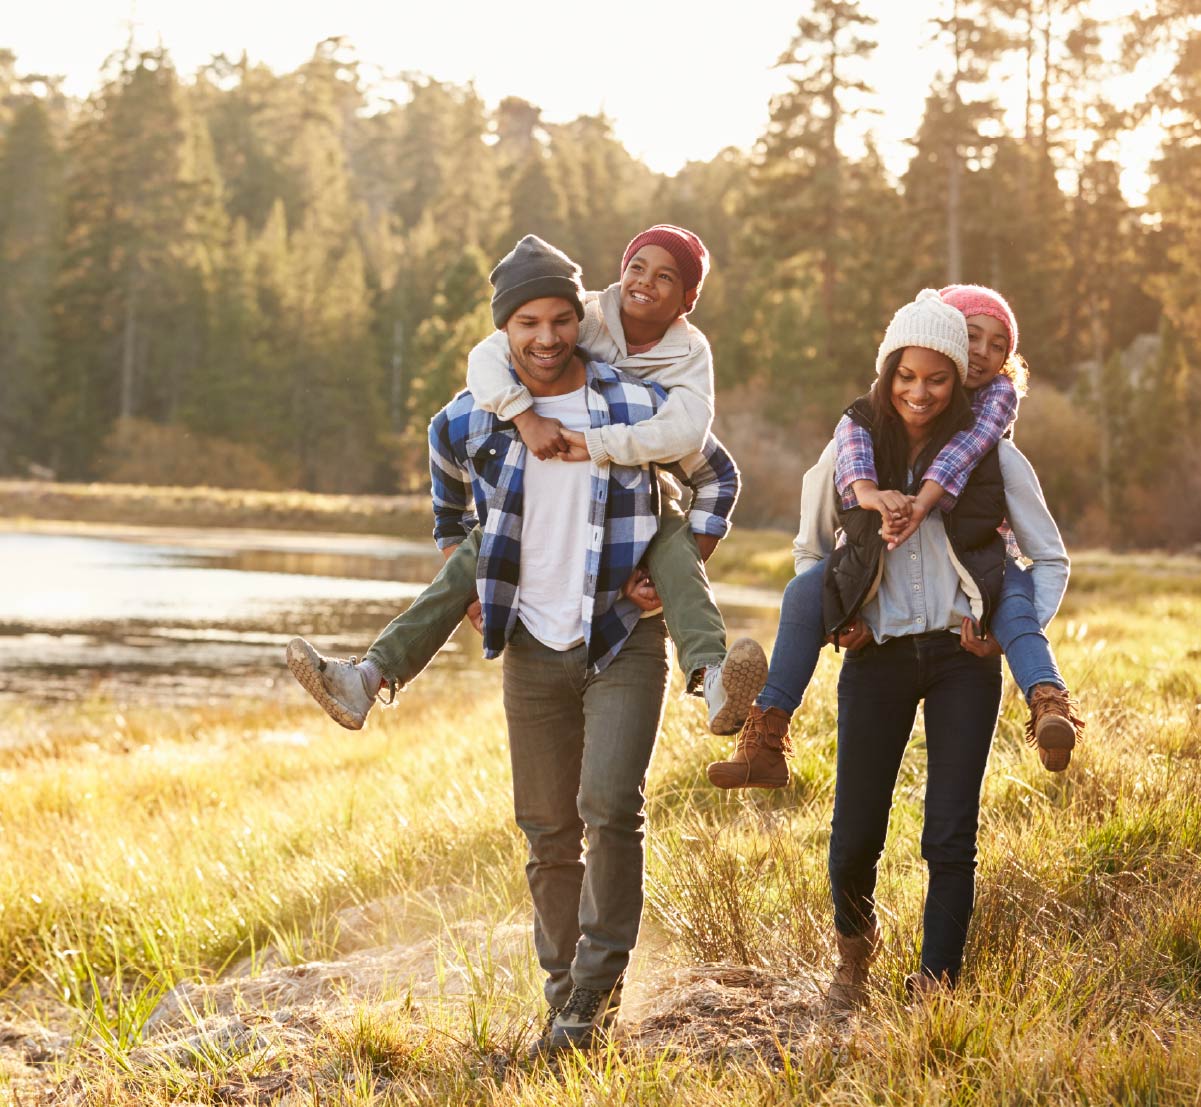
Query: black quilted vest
{"points": [[971, 526]]}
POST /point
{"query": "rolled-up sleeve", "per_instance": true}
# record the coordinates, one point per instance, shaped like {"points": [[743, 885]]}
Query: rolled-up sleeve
{"points": [[715, 482]]}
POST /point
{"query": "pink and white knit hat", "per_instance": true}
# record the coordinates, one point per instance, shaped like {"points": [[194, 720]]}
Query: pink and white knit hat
{"points": [[975, 299]]}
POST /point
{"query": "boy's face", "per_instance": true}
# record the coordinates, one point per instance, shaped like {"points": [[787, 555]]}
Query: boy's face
{"points": [[542, 338], [988, 346], [652, 290]]}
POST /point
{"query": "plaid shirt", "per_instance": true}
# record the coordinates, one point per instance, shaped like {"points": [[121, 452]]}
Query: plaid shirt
{"points": [[477, 463], [995, 406]]}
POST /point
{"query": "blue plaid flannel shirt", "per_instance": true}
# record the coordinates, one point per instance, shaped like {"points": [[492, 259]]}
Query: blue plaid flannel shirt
{"points": [[477, 462]]}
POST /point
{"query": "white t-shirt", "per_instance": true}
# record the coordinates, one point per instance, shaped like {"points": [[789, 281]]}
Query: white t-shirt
{"points": [[554, 534]]}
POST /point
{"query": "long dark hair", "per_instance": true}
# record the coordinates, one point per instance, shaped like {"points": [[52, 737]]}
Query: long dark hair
{"points": [[888, 432]]}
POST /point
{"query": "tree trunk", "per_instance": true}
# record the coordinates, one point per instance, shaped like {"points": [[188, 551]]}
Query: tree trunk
{"points": [[129, 337]]}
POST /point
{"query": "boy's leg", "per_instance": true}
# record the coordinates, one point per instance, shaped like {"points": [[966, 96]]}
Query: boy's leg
{"points": [[408, 643], [1053, 726], [730, 679], [346, 689], [759, 759]]}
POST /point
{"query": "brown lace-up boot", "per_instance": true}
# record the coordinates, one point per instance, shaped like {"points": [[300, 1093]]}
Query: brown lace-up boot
{"points": [[1054, 727], [848, 989], [759, 758]]}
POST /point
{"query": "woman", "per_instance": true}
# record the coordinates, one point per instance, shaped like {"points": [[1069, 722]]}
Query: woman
{"points": [[919, 612]]}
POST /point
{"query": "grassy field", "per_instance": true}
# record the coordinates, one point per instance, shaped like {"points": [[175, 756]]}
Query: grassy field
{"points": [[248, 904]]}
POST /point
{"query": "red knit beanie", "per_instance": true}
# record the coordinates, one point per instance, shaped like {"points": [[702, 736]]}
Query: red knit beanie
{"points": [[687, 250], [975, 299]]}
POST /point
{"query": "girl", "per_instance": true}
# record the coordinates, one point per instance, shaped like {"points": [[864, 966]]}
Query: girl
{"points": [[996, 377]]}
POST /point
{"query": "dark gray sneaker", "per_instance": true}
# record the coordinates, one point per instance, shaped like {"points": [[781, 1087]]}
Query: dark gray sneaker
{"points": [[585, 1020], [541, 1045]]}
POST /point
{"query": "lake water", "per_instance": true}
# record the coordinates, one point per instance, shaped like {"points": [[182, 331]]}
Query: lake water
{"points": [[160, 614]]}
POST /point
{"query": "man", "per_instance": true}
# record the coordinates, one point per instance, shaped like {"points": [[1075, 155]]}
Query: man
{"points": [[562, 597]]}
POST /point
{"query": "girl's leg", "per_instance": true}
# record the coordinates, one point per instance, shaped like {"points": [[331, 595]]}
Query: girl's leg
{"points": [[799, 641], [1015, 625], [1054, 725]]}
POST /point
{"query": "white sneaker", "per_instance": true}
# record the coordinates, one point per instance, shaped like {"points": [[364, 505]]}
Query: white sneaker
{"points": [[731, 687], [334, 682]]}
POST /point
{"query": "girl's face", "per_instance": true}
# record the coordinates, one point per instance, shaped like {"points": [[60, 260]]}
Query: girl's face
{"points": [[652, 289], [922, 387], [988, 347]]}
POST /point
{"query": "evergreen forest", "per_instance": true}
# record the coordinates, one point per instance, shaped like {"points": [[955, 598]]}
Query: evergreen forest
{"points": [[245, 278]]}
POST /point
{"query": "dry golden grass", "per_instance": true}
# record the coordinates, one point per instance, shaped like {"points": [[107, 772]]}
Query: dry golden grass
{"points": [[342, 918]]}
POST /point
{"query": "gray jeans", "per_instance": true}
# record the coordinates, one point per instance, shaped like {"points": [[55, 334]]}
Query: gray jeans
{"points": [[580, 746]]}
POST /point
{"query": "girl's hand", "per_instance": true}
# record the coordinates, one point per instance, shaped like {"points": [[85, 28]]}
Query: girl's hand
{"points": [[894, 532]]}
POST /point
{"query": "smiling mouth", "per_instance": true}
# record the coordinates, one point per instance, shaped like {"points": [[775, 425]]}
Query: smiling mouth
{"points": [[640, 298], [918, 409], [548, 357]]}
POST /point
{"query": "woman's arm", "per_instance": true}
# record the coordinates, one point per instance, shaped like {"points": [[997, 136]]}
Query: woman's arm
{"points": [[1035, 529], [819, 513]]}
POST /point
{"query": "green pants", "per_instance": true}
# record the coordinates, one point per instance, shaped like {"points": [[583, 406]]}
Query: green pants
{"points": [[409, 642]]}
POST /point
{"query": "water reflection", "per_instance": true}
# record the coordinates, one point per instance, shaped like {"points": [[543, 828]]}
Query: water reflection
{"points": [[169, 615]]}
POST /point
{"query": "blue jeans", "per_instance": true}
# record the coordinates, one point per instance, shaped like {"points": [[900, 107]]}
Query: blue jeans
{"points": [[580, 744], [1015, 625], [878, 693], [801, 636], [799, 641]]}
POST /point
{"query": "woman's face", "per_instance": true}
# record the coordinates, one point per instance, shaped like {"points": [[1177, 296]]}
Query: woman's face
{"points": [[922, 387], [988, 347]]}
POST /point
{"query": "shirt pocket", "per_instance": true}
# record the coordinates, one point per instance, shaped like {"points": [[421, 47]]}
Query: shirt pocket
{"points": [[487, 452], [630, 477]]}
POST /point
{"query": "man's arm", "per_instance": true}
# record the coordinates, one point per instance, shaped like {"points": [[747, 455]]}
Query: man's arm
{"points": [[450, 488]]}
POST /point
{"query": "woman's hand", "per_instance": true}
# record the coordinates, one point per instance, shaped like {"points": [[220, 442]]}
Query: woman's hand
{"points": [[854, 636], [891, 504], [982, 645], [896, 531]]}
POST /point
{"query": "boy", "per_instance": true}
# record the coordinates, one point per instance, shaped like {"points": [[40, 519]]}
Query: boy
{"points": [[637, 325]]}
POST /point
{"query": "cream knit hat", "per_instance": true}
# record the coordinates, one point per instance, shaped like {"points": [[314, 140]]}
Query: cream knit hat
{"points": [[930, 323]]}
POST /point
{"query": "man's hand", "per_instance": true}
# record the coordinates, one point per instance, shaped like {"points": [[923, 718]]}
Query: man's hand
{"points": [[475, 616], [641, 589], [981, 645], [542, 437], [706, 544], [577, 447], [854, 636]]}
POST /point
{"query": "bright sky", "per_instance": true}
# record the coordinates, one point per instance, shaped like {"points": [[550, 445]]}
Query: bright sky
{"points": [[679, 83]]}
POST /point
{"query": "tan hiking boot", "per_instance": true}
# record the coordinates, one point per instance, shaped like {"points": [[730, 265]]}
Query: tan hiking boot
{"points": [[921, 988], [848, 988], [1054, 727], [334, 682], [731, 687], [759, 759]]}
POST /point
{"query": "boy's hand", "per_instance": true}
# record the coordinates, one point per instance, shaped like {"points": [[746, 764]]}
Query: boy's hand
{"points": [[981, 645], [641, 589], [577, 447], [542, 437]]}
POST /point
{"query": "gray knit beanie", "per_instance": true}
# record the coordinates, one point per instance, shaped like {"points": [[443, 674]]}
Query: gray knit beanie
{"points": [[531, 270], [930, 323]]}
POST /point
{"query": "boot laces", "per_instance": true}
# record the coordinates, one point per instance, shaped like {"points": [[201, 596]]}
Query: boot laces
{"points": [[584, 1003], [754, 734]]}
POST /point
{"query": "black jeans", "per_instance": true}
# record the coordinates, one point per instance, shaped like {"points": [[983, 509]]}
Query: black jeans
{"points": [[878, 693]]}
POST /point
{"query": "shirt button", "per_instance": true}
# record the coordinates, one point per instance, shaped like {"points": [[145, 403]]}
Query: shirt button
{"points": [[917, 587], [913, 557], [492, 451]]}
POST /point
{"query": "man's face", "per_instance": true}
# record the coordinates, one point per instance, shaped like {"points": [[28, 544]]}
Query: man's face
{"points": [[542, 339]]}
